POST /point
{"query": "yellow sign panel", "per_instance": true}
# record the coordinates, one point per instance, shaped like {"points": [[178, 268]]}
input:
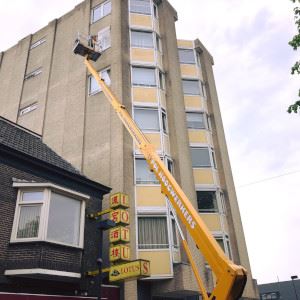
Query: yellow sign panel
{"points": [[119, 252], [120, 216], [137, 268], [119, 234], [119, 200]]}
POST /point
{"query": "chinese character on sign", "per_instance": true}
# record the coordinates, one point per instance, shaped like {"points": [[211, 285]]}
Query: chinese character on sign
{"points": [[119, 200]]}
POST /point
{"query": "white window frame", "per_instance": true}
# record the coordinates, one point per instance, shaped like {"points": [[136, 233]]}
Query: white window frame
{"points": [[226, 242], [149, 109], [46, 188], [143, 182], [91, 77], [33, 73], [101, 7], [187, 63], [141, 13], [212, 157], [38, 43], [27, 109], [169, 237], [218, 209], [205, 119], [144, 85], [143, 31]]}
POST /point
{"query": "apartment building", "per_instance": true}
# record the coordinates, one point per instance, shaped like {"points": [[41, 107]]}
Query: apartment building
{"points": [[168, 87]]}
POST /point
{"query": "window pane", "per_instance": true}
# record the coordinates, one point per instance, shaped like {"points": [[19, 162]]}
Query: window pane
{"points": [[200, 157], [64, 219], [32, 196], [142, 39], [152, 233], [143, 174], [29, 221], [220, 241], [207, 201], [191, 87], [186, 56], [106, 9], [195, 120], [140, 6], [104, 40], [147, 119], [96, 14], [143, 76], [164, 122], [175, 240]]}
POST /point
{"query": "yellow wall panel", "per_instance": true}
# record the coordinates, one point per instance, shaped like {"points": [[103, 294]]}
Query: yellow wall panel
{"points": [[141, 94], [149, 196], [203, 176], [140, 20], [144, 55], [197, 136], [192, 101], [188, 70], [154, 138], [212, 221], [185, 44], [159, 261]]}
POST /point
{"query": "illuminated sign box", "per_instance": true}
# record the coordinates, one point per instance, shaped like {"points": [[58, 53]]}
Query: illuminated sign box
{"points": [[119, 234], [119, 200], [119, 253], [135, 269], [120, 216]]}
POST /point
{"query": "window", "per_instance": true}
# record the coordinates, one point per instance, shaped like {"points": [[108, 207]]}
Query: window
{"points": [[207, 201], [191, 87], [161, 80], [203, 91], [33, 73], [100, 11], [28, 109], [174, 234], [152, 233], [142, 173], [140, 7], [104, 39], [164, 121], [224, 243], [195, 120], [200, 157], [146, 119], [186, 56], [142, 39], [143, 76], [93, 85], [155, 13], [169, 165], [46, 214], [37, 43], [158, 43]]}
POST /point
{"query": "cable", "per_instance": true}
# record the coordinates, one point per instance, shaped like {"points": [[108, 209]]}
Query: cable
{"points": [[268, 178]]}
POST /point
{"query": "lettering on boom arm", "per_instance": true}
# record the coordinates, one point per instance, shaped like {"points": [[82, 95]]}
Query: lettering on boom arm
{"points": [[162, 178]]}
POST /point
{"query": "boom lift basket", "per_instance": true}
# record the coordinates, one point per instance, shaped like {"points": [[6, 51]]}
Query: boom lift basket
{"points": [[86, 47]]}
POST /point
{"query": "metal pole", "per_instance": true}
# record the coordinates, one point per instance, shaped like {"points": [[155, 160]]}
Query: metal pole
{"points": [[99, 263]]}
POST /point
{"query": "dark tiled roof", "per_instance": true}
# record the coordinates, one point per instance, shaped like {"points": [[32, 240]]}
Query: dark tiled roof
{"points": [[22, 140]]}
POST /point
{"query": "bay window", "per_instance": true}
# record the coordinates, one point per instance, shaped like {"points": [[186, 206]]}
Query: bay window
{"points": [[140, 7], [45, 212], [202, 157], [191, 87], [196, 120]]}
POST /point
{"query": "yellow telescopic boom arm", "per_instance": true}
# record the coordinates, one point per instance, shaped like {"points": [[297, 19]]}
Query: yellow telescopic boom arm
{"points": [[230, 278]]}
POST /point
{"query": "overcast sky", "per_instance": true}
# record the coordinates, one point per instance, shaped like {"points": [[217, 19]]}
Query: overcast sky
{"points": [[248, 40]]}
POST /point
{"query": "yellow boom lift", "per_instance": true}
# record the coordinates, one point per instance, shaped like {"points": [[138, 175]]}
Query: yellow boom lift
{"points": [[230, 278]]}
